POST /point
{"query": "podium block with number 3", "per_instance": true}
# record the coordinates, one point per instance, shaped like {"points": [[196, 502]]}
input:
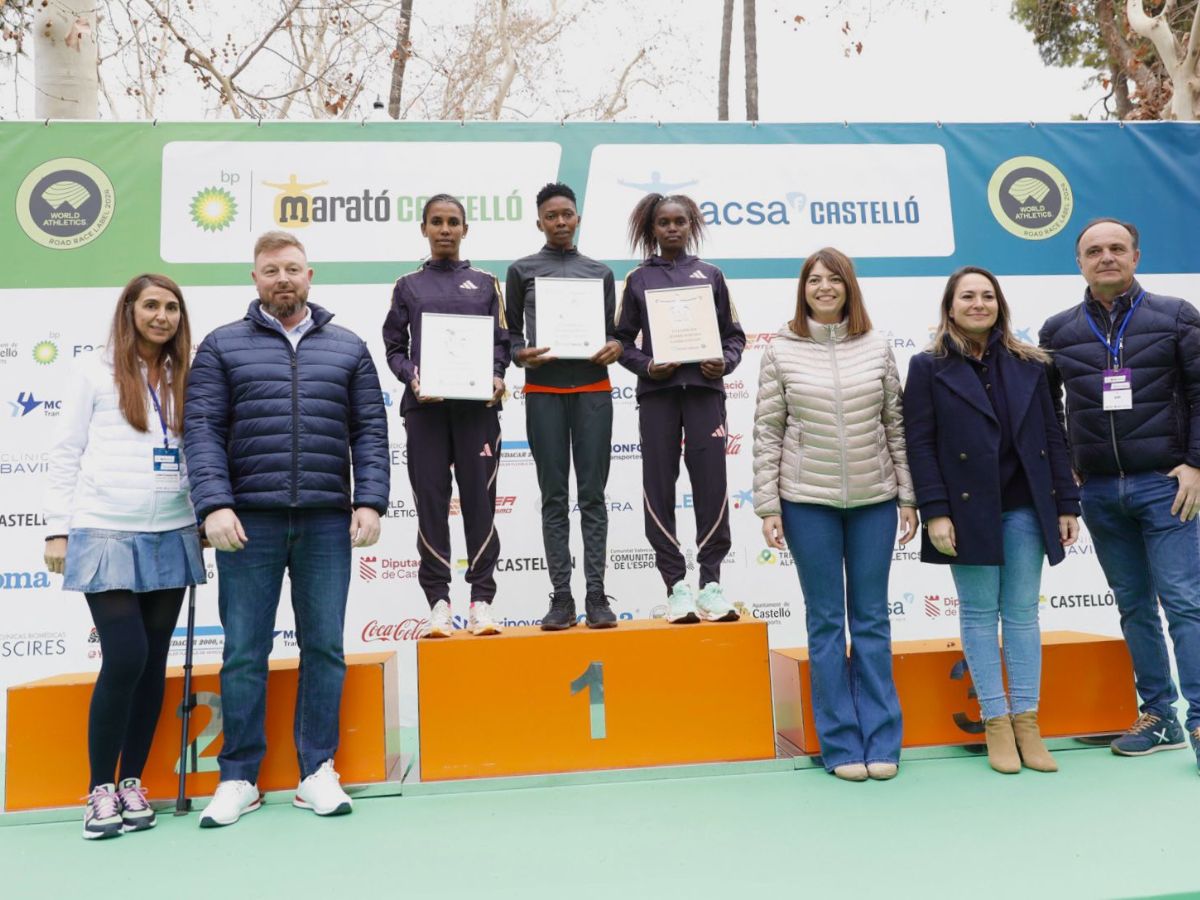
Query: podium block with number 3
{"points": [[531, 702]]}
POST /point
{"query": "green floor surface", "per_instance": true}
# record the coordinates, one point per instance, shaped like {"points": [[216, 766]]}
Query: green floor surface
{"points": [[1102, 827]]}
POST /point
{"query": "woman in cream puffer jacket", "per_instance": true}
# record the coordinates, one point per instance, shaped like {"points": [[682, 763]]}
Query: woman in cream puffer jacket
{"points": [[829, 469]]}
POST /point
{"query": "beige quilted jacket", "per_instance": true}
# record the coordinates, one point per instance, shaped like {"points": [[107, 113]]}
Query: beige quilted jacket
{"points": [[828, 426]]}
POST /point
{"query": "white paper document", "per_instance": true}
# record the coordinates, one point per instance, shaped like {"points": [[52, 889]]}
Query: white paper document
{"points": [[683, 324], [570, 316], [456, 356]]}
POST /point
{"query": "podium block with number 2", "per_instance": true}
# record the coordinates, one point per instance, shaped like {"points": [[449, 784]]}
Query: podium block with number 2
{"points": [[529, 702]]}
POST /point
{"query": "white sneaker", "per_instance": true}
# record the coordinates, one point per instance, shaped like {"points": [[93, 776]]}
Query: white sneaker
{"points": [[681, 605], [231, 800], [322, 793], [439, 624], [480, 620], [713, 606]]}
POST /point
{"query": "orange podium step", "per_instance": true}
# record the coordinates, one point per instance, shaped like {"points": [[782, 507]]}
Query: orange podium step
{"points": [[646, 693], [47, 762], [1087, 688]]}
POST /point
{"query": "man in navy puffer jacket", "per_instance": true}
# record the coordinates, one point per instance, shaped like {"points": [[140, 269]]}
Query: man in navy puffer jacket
{"points": [[1129, 362], [281, 408]]}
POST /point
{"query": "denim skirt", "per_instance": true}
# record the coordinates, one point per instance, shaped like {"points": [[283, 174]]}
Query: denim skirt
{"points": [[101, 560]]}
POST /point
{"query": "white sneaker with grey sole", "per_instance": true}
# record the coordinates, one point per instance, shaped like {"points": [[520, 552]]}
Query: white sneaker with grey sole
{"points": [[231, 801], [322, 793]]}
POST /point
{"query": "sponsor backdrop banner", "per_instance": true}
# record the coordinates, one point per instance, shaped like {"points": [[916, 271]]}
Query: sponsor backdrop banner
{"points": [[98, 203]]}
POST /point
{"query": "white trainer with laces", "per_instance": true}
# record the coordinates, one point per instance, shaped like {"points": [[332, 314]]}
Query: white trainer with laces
{"points": [[322, 793], [102, 815], [480, 620], [439, 624], [230, 802], [713, 606], [681, 605]]}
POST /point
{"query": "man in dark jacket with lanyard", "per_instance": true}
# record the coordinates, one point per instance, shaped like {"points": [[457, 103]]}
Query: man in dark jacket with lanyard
{"points": [[1129, 361], [568, 411], [281, 407]]}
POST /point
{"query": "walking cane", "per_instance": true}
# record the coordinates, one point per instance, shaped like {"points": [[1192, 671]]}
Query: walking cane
{"points": [[182, 804]]}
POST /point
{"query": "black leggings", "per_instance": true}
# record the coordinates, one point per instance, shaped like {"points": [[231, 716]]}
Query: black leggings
{"points": [[135, 637]]}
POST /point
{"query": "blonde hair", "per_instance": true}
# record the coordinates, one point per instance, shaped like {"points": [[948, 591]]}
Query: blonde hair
{"points": [[277, 240]]}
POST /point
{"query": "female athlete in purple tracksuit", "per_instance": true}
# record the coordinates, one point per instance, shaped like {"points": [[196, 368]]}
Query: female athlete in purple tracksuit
{"points": [[441, 434], [680, 403]]}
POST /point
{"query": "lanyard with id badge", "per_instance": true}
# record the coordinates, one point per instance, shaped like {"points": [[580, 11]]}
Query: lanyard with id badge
{"points": [[1117, 386], [166, 459]]}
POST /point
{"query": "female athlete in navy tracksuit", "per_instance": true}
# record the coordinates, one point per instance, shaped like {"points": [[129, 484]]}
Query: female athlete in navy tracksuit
{"points": [[680, 402], [441, 434]]}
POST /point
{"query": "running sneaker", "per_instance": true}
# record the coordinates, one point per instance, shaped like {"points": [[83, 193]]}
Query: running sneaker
{"points": [[681, 605], [322, 793], [1149, 734], [480, 620], [1195, 738], [231, 801], [102, 815], [439, 624], [561, 614], [713, 606], [136, 813], [599, 613]]}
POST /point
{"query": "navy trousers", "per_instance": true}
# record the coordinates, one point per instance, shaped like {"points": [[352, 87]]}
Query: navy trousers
{"points": [[695, 418], [463, 435]]}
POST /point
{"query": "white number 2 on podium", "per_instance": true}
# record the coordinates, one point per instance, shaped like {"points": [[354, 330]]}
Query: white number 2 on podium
{"points": [[593, 680]]}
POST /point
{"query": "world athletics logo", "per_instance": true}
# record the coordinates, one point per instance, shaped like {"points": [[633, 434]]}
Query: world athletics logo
{"points": [[1030, 198], [65, 203]]}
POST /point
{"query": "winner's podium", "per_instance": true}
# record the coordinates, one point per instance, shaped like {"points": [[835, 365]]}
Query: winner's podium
{"points": [[531, 702], [47, 762], [1087, 688]]}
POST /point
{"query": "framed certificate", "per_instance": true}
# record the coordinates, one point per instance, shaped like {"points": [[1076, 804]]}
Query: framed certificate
{"points": [[456, 356], [683, 324], [570, 316]]}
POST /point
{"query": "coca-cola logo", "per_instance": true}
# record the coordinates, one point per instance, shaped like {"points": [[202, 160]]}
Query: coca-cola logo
{"points": [[404, 630]]}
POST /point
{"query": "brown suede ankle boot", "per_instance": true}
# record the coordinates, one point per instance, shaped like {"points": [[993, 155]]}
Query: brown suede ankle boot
{"points": [[1029, 742], [1002, 745]]}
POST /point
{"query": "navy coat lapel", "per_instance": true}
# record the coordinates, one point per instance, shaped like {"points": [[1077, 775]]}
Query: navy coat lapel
{"points": [[955, 373]]}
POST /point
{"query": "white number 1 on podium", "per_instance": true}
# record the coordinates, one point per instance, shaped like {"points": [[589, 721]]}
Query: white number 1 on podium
{"points": [[593, 680]]}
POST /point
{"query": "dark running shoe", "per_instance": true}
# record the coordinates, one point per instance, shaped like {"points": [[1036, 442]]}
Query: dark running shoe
{"points": [[599, 613], [1149, 734], [136, 813], [561, 614]]}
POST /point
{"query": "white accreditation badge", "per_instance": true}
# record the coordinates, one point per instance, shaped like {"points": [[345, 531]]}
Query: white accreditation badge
{"points": [[1118, 389], [166, 470]]}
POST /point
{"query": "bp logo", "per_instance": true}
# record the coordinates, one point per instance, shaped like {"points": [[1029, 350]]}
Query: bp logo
{"points": [[65, 203], [1030, 198], [213, 209], [45, 352]]}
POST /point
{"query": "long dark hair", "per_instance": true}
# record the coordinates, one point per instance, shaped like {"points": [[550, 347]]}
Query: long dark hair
{"points": [[855, 311], [127, 370], [641, 222], [949, 335]]}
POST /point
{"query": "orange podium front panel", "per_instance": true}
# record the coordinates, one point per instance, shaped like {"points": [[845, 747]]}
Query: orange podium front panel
{"points": [[1087, 688], [647, 693], [47, 733]]}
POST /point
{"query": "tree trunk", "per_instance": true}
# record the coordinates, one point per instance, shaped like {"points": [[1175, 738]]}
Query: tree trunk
{"points": [[723, 67], [401, 58], [65, 60], [1120, 87], [750, 41]]}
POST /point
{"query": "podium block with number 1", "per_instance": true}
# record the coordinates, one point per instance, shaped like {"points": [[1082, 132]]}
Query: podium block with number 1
{"points": [[530, 702]]}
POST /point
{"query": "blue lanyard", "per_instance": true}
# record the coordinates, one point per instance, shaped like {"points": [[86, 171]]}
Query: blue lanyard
{"points": [[1114, 349], [161, 420]]}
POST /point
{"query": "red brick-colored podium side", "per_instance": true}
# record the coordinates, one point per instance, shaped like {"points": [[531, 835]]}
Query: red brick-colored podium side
{"points": [[47, 762]]}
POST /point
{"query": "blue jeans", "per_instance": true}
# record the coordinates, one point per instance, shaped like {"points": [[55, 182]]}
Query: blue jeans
{"points": [[1150, 557], [843, 557], [313, 545], [1008, 593]]}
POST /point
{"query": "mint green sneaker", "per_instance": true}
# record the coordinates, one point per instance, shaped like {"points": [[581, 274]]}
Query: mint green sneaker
{"points": [[681, 605], [713, 606]]}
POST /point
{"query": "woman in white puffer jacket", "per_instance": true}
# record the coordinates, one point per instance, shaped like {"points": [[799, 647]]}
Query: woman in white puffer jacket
{"points": [[829, 468]]}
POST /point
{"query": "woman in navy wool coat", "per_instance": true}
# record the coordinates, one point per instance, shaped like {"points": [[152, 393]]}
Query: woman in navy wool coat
{"points": [[996, 495]]}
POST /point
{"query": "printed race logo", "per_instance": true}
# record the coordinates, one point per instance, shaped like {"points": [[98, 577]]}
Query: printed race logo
{"points": [[24, 581], [65, 203], [27, 403], [45, 352], [24, 463], [937, 606], [1030, 198], [372, 568], [388, 632], [213, 209]]}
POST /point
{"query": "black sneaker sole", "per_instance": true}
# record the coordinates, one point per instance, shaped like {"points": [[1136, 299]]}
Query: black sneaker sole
{"points": [[138, 825], [557, 627], [605, 624], [101, 835], [1153, 749]]}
